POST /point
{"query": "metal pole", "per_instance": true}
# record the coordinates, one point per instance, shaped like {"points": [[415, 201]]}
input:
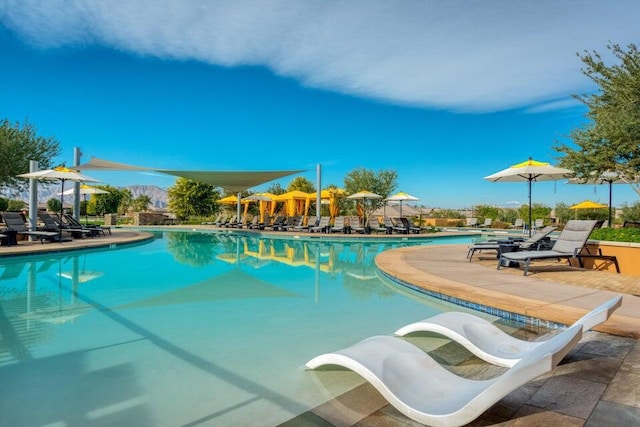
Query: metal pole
{"points": [[77, 154], [530, 222], [610, 206], [319, 192], [238, 208], [33, 196]]}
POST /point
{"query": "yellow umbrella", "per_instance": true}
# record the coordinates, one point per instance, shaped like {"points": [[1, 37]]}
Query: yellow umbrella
{"points": [[587, 204]]}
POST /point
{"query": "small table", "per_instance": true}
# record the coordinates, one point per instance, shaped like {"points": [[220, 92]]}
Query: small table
{"points": [[508, 247]]}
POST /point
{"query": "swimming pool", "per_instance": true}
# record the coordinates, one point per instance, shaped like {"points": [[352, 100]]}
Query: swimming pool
{"points": [[189, 329]]}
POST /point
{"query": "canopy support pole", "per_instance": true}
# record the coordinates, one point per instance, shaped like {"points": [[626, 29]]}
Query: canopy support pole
{"points": [[319, 190], [77, 154], [33, 196], [239, 208]]}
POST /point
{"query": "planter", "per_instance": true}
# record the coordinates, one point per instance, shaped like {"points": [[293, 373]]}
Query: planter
{"points": [[627, 254]]}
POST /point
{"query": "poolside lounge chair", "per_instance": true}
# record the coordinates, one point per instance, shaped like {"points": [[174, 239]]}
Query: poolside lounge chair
{"points": [[471, 222], [487, 223], [518, 224], [54, 223], [489, 342], [338, 225], [15, 222], [570, 243], [538, 223], [101, 229], [409, 225], [374, 225], [322, 225], [355, 226], [534, 242], [388, 224], [425, 391], [311, 222]]}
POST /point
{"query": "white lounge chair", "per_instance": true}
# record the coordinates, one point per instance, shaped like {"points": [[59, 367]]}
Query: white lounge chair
{"points": [[490, 343], [569, 244], [426, 392]]}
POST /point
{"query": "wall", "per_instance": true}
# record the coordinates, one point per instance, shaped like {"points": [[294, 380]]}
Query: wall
{"points": [[628, 255]]}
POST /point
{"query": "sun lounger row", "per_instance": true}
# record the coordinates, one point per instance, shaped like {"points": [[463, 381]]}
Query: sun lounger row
{"points": [[423, 390], [54, 228]]}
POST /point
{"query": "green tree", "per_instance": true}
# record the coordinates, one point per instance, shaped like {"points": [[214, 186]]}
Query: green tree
{"points": [[486, 211], [609, 140], [563, 213], [446, 213], [383, 183], [18, 145], [275, 188], [101, 204], [538, 211], [630, 212], [300, 183], [192, 198], [4, 204], [15, 205], [141, 203], [54, 205]]}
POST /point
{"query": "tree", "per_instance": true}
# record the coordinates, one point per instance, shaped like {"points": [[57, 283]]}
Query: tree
{"points": [[101, 204], [141, 203], [4, 204], [192, 198], [18, 145], [275, 188], [54, 205], [300, 183], [538, 211], [383, 183], [609, 141]]}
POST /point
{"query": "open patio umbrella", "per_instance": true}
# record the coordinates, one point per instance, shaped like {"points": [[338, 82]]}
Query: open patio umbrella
{"points": [[608, 178], [529, 171], [61, 174], [364, 195], [402, 197], [587, 204], [84, 190]]}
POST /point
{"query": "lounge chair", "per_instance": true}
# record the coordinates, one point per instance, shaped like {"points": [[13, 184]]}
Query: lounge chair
{"points": [[322, 225], [355, 226], [471, 222], [534, 242], [425, 391], [518, 224], [409, 225], [487, 223], [53, 223], [570, 243], [338, 225], [374, 225], [538, 223], [15, 223], [389, 225], [311, 222], [489, 342], [101, 229]]}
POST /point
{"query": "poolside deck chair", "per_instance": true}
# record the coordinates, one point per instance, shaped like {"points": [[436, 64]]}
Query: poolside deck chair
{"points": [[222, 219], [322, 225], [388, 225], [53, 223], [534, 242], [374, 225], [338, 225], [15, 222], [538, 223], [487, 223], [101, 229], [355, 226], [425, 391], [570, 243], [471, 222], [409, 225], [489, 342], [518, 224]]}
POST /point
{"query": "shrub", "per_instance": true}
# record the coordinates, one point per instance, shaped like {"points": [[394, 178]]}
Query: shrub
{"points": [[616, 234]]}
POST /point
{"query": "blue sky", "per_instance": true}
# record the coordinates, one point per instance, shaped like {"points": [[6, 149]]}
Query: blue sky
{"points": [[445, 93]]}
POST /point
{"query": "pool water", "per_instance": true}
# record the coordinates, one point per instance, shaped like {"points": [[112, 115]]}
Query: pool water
{"points": [[189, 329]]}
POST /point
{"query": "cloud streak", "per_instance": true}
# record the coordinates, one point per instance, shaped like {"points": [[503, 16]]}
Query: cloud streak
{"points": [[455, 55]]}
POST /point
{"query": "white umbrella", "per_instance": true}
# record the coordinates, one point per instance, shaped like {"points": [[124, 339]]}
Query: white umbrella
{"points": [[84, 190], [364, 195], [529, 171], [402, 197], [61, 174]]}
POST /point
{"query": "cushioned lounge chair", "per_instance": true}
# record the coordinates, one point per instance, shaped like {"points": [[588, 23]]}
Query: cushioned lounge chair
{"points": [[423, 390], [52, 223], [570, 243], [338, 225], [355, 226], [101, 229], [487, 223], [489, 342], [374, 225], [15, 222], [322, 225], [471, 222], [534, 242]]}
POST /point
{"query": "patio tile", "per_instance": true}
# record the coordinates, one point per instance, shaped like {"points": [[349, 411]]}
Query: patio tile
{"points": [[611, 414], [531, 416], [569, 396]]}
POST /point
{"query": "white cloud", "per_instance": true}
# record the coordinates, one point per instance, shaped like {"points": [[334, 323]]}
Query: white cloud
{"points": [[455, 55]]}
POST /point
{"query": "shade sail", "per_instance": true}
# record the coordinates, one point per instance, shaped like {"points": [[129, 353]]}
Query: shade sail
{"points": [[235, 181]]}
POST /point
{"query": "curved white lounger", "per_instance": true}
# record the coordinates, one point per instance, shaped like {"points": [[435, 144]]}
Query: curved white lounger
{"points": [[490, 343], [424, 391]]}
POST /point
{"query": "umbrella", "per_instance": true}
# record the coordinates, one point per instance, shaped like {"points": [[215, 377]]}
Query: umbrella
{"points": [[61, 174], [84, 190], [609, 178], [364, 195], [402, 197], [587, 204], [529, 171]]}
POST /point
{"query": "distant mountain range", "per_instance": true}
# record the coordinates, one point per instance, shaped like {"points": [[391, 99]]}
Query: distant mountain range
{"points": [[157, 195]]}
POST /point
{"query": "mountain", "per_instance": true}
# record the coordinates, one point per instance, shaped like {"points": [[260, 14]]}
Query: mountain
{"points": [[157, 195]]}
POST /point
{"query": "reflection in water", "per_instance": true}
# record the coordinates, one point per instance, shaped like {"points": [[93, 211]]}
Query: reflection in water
{"points": [[194, 249]]}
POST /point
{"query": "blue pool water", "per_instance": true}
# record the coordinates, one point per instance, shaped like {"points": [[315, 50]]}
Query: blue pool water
{"points": [[189, 329]]}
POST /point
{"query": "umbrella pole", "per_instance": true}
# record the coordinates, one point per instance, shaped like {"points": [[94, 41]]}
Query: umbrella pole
{"points": [[61, 213], [610, 189], [530, 222], [86, 214]]}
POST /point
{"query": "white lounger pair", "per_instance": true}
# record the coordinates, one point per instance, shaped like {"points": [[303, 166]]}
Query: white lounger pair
{"points": [[423, 390]]}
